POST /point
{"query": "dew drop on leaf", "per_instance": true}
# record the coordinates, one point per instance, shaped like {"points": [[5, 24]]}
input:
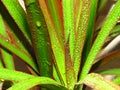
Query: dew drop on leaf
{"points": [[38, 24], [2, 80], [18, 41], [7, 40]]}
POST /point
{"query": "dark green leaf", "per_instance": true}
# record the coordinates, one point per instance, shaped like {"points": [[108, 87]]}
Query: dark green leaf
{"points": [[40, 37]]}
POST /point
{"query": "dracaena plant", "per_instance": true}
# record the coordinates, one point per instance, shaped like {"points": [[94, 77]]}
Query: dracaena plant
{"points": [[59, 42]]}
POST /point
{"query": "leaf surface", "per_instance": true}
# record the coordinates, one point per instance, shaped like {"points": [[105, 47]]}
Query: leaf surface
{"points": [[6, 56], [98, 82], [57, 45], [81, 33], [111, 72], [12, 75], [108, 25], [21, 54], [18, 15], [43, 81], [40, 38]]}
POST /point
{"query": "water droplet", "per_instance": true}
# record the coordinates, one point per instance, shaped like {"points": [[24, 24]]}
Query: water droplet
{"points": [[7, 40], [68, 82], [38, 24], [2, 80], [18, 41]]}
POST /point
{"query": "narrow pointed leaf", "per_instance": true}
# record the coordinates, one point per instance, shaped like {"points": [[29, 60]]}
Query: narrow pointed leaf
{"points": [[17, 13], [2, 27], [69, 35], [6, 56], [55, 9], [81, 33], [69, 32], [106, 52], [70, 74], [111, 72], [16, 23], [6, 31], [21, 54], [99, 83], [57, 47], [9, 36], [102, 3], [43, 81], [90, 30], [115, 31], [7, 59], [77, 11], [108, 25], [12, 75], [56, 76], [40, 38]]}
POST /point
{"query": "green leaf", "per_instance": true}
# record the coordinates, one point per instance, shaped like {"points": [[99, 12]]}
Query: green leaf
{"points": [[6, 32], [18, 15], [56, 76], [90, 30], [12, 75], [58, 49], [68, 14], [77, 11], [117, 80], [81, 33], [110, 72], [43, 81], [69, 33], [70, 74], [8, 59], [108, 25], [115, 31], [101, 5], [99, 83], [18, 52], [16, 23], [55, 9], [40, 38], [2, 27], [6, 56]]}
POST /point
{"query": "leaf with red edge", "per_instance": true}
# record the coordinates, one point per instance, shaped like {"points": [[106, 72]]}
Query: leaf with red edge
{"points": [[6, 56], [57, 45], [97, 82]]}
